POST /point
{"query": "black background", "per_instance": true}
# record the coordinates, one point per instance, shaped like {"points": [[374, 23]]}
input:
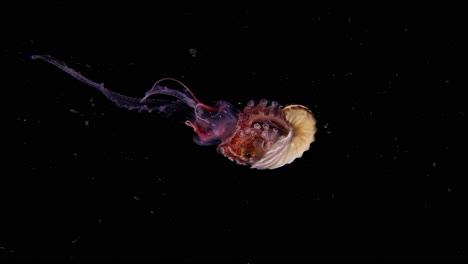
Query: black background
{"points": [[86, 180]]}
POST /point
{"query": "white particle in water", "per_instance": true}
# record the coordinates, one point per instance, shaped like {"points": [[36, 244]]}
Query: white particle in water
{"points": [[193, 52], [75, 240]]}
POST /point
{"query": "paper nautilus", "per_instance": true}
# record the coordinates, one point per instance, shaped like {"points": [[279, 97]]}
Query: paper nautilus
{"points": [[264, 135]]}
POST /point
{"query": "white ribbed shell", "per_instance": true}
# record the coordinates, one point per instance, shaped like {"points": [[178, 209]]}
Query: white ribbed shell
{"points": [[291, 147]]}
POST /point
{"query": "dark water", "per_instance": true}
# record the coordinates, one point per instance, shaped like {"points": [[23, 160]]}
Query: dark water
{"points": [[86, 180]]}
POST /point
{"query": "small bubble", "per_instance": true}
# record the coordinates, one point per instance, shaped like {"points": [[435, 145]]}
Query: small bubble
{"points": [[136, 198]]}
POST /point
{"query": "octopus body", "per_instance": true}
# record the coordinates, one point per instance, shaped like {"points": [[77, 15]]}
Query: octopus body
{"points": [[269, 136]]}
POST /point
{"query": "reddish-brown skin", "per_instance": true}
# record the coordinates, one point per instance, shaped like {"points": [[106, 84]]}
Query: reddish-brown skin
{"points": [[258, 128]]}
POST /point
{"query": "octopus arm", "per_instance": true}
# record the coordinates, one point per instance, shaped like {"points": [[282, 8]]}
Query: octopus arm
{"points": [[291, 147]]}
